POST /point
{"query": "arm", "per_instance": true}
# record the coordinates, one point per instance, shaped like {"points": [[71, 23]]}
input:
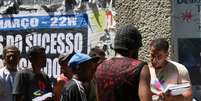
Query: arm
{"points": [[186, 96], [184, 77], [18, 87], [57, 90], [144, 85]]}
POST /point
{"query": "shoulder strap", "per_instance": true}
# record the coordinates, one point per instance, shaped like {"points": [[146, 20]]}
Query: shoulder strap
{"points": [[152, 71], [141, 65], [139, 68]]}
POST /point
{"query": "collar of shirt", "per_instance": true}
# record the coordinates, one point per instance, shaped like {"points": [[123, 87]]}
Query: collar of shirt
{"points": [[81, 89], [79, 84], [6, 72]]}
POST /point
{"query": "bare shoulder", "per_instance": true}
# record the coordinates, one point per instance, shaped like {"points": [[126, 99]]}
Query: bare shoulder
{"points": [[145, 71], [144, 85]]}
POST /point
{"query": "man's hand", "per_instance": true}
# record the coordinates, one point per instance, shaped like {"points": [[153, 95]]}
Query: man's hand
{"points": [[186, 96], [166, 96]]}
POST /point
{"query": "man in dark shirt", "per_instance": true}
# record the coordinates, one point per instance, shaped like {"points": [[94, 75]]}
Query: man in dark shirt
{"points": [[32, 84], [95, 52], [84, 68], [124, 77]]}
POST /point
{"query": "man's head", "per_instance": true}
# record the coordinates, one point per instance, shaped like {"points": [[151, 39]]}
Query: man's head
{"points": [[83, 65], [159, 52], [63, 60], [97, 52], [127, 41], [37, 56], [11, 55]]}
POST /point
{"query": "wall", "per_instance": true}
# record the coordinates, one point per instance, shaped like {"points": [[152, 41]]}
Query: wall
{"points": [[152, 17]]}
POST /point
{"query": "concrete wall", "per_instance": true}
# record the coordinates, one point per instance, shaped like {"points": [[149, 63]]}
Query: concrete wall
{"points": [[151, 17]]}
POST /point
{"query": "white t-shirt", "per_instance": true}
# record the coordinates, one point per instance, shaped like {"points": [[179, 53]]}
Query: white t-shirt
{"points": [[172, 73]]}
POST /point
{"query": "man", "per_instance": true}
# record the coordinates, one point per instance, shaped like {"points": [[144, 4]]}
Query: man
{"points": [[84, 68], [124, 77], [11, 56], [164, 72], [32, 84], [64, 77], [97, 52]]}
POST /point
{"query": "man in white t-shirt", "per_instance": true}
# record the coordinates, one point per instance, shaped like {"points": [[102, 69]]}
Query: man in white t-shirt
{"points": [[164, 72]]}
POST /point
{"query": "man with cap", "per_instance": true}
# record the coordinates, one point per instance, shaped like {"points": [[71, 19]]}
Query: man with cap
{"points": [[83, 67], [98, 52], [124, 77], [65, 76], [95, 52]]}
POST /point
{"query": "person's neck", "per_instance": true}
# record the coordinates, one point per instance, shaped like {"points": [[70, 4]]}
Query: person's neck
{"points": [[75, 76], [69, 75], [11, 69], [163, 65], [118, 55], [36, 69]]}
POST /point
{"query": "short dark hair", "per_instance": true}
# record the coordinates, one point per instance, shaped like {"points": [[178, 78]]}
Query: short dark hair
{"points": [[34, 51], [97, 51], [127, 37], [10, 47], [160, 44]]}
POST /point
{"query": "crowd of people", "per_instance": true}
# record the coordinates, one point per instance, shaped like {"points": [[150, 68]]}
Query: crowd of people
{"points": [[93, 77]]}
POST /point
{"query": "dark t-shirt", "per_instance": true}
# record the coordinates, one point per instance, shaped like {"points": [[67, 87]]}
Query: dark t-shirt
{"points": [[71, 92], [31, 85], [118, 79]]}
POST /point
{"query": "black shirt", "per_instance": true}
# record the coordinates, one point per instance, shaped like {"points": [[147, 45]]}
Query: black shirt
{"points": [[71, 92], [31, 85]]}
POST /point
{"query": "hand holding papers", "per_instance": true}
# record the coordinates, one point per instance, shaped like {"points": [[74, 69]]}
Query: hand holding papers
{"points": [[173, 89], [177, 89]]}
